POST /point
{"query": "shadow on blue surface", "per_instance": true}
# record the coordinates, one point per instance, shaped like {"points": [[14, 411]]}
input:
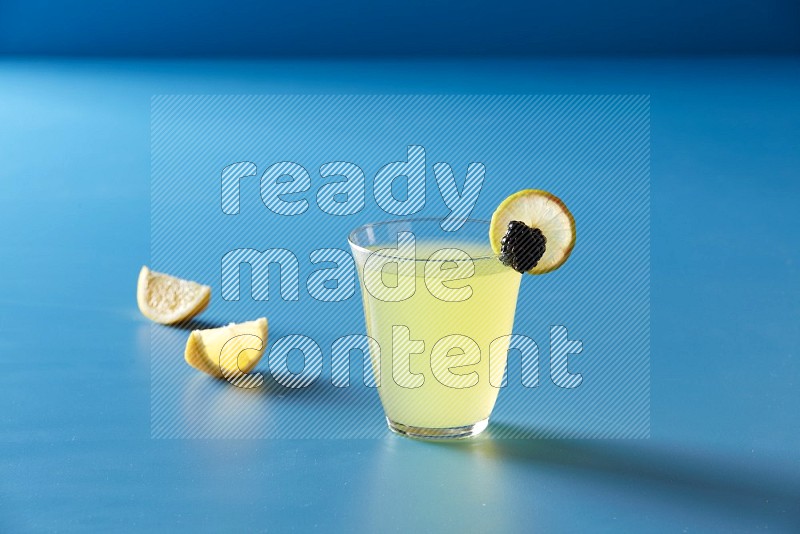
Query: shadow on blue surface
{"points": [[698, 480], [198, 324]]}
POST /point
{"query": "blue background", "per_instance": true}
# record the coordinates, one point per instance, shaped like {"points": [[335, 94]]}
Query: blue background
{"points": [[75, 447], [419, 28]]}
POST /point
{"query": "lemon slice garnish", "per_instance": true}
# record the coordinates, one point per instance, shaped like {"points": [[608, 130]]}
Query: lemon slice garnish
{"points": [[166, 299], [542, 210], [228, 351]]}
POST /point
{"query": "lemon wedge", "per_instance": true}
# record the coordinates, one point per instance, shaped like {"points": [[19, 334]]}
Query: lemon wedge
{"points": [[544, 215], [166, 299], [228, 351]]}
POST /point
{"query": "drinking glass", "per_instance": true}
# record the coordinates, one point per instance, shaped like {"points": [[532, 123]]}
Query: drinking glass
{"points": [[439, 306]]}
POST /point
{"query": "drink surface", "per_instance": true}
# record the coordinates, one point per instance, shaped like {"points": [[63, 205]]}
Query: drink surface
{"points": [[442, 400]]}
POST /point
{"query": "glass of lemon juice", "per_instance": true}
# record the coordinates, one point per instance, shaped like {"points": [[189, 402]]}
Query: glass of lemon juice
{"points": [[436, 303]]}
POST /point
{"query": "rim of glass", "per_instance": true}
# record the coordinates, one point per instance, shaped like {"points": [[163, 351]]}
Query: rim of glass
{"points": [[350, 236]]}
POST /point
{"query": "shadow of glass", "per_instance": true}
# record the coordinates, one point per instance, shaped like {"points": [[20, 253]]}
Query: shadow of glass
{"points": [[698, 479]]}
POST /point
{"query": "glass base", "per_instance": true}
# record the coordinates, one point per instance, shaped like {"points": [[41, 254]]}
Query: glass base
{"points": [[456, 432]]}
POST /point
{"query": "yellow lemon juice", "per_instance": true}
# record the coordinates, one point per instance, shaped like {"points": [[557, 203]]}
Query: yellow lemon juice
{"points": [[435, 344]]}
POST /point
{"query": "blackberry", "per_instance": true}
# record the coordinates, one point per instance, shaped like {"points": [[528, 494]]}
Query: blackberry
{"points": [[522, 247]]}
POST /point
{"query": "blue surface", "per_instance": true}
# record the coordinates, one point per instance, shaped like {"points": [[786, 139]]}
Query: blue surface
{"points": [[723, 455], [418, 28]]}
